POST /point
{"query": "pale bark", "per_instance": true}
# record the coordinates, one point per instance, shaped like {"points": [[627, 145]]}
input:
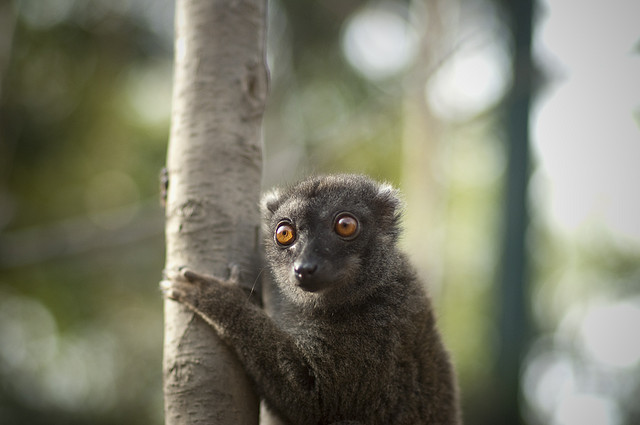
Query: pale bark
{"points": [[214, 165]]}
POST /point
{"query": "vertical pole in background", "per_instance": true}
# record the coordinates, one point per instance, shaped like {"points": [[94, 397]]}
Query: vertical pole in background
{"points": [[514, 326]]}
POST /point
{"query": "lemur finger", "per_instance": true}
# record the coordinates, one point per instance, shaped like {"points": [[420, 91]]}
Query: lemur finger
{"points": [[175, 275], [169, 290], [195, 277]]}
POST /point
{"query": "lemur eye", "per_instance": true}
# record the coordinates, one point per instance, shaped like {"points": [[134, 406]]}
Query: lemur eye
{"points": [[285, 234], [346, 225]]}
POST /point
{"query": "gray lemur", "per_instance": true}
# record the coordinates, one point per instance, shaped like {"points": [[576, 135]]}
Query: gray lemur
{"points": [[354, 336]]}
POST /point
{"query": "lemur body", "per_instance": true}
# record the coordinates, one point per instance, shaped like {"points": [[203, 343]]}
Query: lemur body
{"points": [[353, 337]]}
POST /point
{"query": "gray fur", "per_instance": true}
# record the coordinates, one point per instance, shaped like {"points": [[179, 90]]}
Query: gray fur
{"points": [[362, 347]]}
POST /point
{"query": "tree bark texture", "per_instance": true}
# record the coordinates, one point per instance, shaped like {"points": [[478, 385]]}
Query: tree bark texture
{"points": [[214, 168]]}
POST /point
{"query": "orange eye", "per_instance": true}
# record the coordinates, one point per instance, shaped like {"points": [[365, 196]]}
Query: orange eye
{"points": [[346, 226], [285, 234]]}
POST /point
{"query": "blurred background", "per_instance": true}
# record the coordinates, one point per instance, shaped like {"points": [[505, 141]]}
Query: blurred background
{"points": [[512, 130]]}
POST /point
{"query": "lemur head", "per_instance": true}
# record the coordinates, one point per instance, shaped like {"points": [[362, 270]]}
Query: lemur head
{"points": [[328, 234]]}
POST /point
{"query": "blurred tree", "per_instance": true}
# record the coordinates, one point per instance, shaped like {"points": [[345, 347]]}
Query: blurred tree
{"points": [[513, 321], [214, 169]]}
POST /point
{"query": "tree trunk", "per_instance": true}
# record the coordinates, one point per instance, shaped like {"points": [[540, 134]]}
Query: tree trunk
{"points": [[214, 169]]}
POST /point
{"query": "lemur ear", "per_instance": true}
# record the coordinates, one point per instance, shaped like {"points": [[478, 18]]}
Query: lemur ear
{"points": [[390, 204], [270, 202]]}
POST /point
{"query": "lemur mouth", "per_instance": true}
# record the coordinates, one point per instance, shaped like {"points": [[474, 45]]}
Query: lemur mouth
{"points": [[310, 285]]}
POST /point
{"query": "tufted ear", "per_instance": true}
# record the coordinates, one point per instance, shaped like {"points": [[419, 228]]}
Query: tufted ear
{"points": [[270, 202], [389, 203]]}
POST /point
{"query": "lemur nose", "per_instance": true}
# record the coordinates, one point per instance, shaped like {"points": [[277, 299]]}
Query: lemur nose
{"points": [[303, 270]]}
